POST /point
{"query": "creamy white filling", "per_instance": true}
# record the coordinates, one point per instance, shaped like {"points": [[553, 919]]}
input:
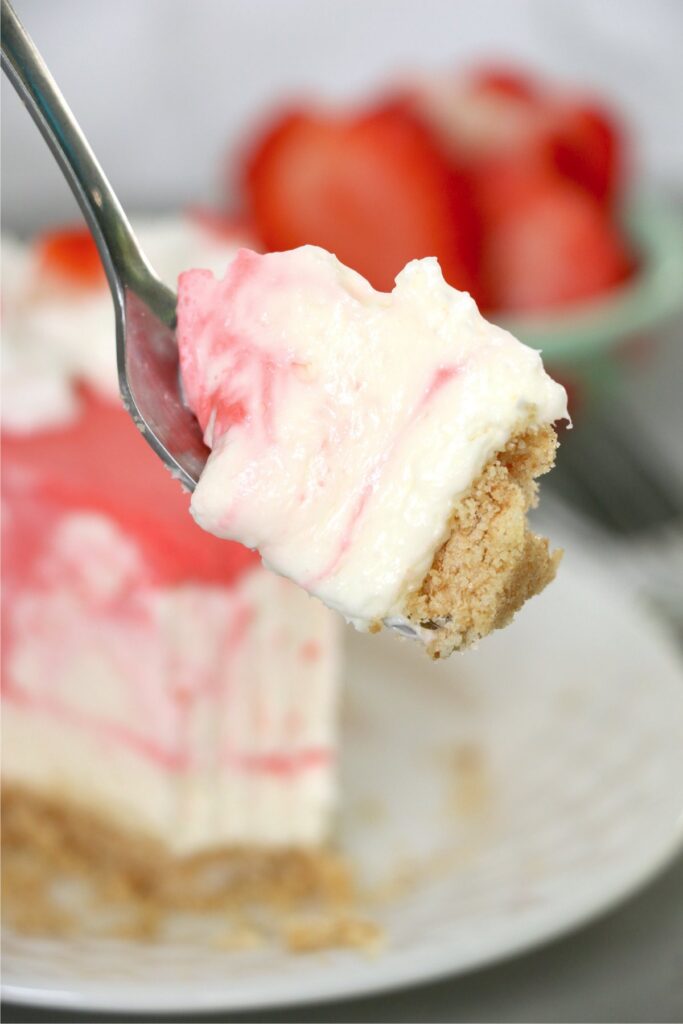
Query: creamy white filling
{"points": [[345, 423], [97, 655], [178, 711], [200, 810]]}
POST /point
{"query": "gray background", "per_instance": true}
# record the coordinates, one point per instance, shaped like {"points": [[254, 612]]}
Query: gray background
{"points": [[164, 87]]}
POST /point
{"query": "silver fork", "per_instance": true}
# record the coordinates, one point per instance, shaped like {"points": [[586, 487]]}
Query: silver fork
{"points": [[147, 353], [622, 484], [615, 476]]}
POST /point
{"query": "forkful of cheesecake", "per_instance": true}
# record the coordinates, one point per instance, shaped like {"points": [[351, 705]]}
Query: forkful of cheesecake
{"points": [[380, 449]]}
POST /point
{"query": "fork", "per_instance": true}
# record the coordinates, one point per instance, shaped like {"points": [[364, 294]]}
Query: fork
{"points": [[614, 476], [147, 353], [621, 484]]}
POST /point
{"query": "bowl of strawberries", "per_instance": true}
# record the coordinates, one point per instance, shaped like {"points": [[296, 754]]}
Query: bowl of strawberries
{"points": [[519, 190]]}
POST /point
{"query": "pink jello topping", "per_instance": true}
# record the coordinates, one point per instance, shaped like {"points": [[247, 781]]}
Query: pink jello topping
{"points": [[99, 463]]}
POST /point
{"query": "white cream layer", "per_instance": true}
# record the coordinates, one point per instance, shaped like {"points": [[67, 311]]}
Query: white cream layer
{"points": [[344, 422], [199, 715]]}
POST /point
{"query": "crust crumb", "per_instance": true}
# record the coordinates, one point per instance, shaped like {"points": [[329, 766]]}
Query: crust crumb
{"points": [[346, 932], [491, 562], [67, 871]]}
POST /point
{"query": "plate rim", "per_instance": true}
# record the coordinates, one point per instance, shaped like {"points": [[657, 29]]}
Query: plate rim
{"points": [[394, 969], [392, 972]]}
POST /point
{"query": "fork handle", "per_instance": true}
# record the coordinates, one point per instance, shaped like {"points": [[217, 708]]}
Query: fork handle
{"points": [[124, 261]]}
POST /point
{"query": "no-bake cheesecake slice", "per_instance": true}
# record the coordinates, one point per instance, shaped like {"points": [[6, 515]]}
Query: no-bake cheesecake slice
{"points": [[156, 681], [378, 449]]}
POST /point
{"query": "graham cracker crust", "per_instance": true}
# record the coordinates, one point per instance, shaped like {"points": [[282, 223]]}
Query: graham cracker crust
{"points": [[491, 562], [128, 886]]}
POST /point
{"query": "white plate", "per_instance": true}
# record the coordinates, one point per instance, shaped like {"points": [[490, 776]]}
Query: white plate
{"points": [[573, 719]]}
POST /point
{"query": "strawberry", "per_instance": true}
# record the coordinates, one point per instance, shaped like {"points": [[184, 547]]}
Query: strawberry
{"points": [[498, 112], [373, 188], [586, 147], [504, 81], [548, 244], [543, 173], [71, 255]]}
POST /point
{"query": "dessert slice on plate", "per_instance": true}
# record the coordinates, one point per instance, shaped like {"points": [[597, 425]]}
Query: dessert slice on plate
{"points": [[163, 694], [379, 449]]}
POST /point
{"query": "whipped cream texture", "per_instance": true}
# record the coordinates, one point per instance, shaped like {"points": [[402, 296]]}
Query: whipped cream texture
{"points": [[345, 422]]}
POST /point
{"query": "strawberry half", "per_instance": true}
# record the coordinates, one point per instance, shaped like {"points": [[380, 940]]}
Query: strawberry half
{"points": [[501, 113], [503, 80], [374, 189], [549, 244], [71, 255], [586, 147]]}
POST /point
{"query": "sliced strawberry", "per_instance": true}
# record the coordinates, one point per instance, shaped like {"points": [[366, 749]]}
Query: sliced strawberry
{"points": [[586, 147], [71, 255], [543, 173], [485, 114], [498, 112], [548, 245], [504, 81], [374, 189]]}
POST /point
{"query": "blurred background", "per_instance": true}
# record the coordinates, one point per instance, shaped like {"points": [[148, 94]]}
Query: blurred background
{"points": [[162, 128], [561, 122]]}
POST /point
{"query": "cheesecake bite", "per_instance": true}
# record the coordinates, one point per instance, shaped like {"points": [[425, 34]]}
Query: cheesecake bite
{"points": [[378, 449]]}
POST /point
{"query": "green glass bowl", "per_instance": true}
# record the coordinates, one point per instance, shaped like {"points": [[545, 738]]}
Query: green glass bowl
{"points": [[585, 342]]}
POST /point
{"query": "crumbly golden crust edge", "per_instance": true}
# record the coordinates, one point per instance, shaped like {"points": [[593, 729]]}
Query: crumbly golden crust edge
{"points": [[491, 562], [305, 899]]}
